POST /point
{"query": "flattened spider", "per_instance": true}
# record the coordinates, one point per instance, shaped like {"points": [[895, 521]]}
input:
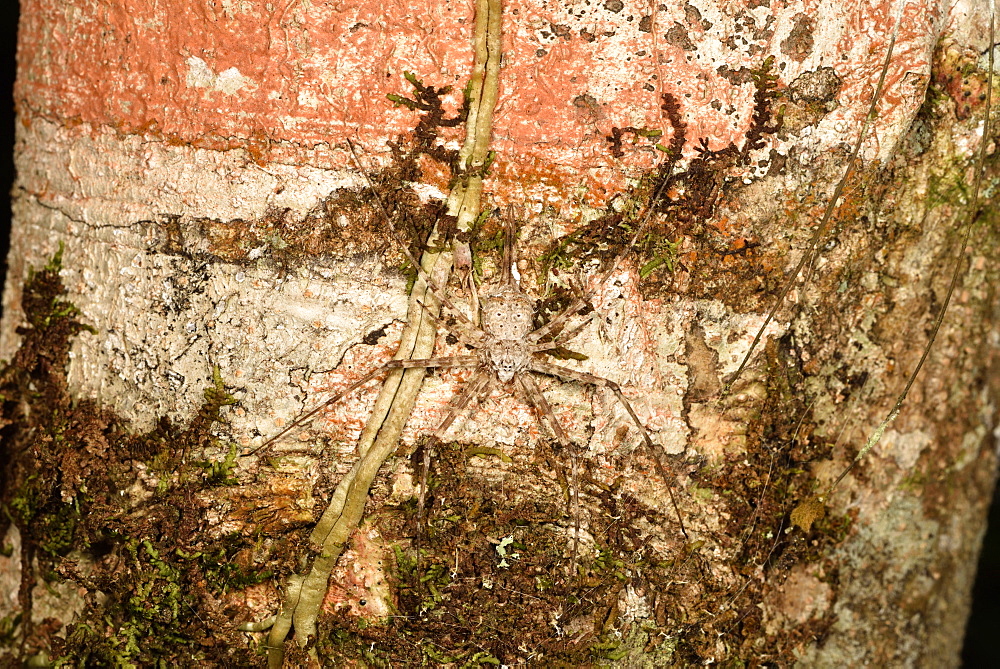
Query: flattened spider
{"points": [[506, 350]]}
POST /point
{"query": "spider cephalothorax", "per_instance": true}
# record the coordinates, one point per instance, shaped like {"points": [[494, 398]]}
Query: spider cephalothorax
{"points": [[504, 349]]}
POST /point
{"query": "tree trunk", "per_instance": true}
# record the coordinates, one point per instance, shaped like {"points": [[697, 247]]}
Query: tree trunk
{"points": [[209, 263]]}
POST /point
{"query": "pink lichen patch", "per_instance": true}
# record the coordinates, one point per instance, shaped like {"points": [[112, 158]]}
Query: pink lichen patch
{"points": [[803, 597], [283, 82], [225, 74], [360, 585]]}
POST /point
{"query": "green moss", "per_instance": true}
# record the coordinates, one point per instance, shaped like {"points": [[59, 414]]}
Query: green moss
{"points": [[145, 621], [67, 464], [665, 257], [219, 472], [58, 530], [608, 564], [226, 569], [8, 629]]}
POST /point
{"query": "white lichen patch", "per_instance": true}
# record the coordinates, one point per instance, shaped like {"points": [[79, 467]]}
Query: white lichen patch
{"points": [[906, 448], [165, 320], [229, 81], [106, 183]]}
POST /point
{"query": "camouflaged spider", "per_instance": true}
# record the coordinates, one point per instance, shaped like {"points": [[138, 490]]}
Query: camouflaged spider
{"points": [[506, 350]]}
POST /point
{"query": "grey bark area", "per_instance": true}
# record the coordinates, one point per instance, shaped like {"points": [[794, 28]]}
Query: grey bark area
{"points": [[211, 290]]}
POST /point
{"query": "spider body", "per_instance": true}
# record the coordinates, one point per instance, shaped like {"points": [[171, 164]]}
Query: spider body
{"points": [[506, 321], [505, 349]]}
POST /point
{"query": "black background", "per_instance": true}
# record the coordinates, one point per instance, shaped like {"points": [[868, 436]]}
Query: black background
{"points": [[982, 644]]}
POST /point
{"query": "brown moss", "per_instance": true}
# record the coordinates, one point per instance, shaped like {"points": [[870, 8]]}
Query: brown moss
{"points": [[461, 599], [347, 223], [70, 472], [684, 248]]}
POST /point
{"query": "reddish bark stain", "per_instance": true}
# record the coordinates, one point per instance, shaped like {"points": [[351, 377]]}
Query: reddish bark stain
{"points": [[285, 79], [215, 74]]}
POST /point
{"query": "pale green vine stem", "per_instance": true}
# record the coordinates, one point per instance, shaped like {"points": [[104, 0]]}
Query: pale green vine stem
{"points": [[304, 594]]}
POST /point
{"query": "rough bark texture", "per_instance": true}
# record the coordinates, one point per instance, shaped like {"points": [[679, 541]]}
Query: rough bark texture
{"points": [[223, 268]]}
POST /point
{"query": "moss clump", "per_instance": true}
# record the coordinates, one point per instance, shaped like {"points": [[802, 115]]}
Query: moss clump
{"points": [[142, 620], [153, 572], [677, 206]]}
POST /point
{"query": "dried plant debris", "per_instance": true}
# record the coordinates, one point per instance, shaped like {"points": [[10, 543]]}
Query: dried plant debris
{"points": [[677, 208], [122, 515]]}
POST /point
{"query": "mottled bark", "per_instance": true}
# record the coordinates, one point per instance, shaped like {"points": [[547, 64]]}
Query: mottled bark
{"points": [[230, 268]]}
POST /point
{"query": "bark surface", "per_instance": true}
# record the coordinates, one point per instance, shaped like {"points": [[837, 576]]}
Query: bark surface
{"points": [[208, 264]]}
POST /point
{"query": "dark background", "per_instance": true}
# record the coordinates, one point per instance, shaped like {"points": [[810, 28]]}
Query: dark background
{"points": [[982, 643]]}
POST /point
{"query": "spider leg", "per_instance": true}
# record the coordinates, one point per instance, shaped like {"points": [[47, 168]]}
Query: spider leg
{"points": [[474, 337], [562, 337], [438, 292], [583, 377], [452, 361], [659, 455], [478, 386], [467, 279], [558, 319], [537, 399], [580, 302], [509, 235]]}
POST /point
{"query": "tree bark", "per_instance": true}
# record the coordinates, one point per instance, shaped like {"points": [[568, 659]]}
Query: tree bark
{"points": [[209, 263]]}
